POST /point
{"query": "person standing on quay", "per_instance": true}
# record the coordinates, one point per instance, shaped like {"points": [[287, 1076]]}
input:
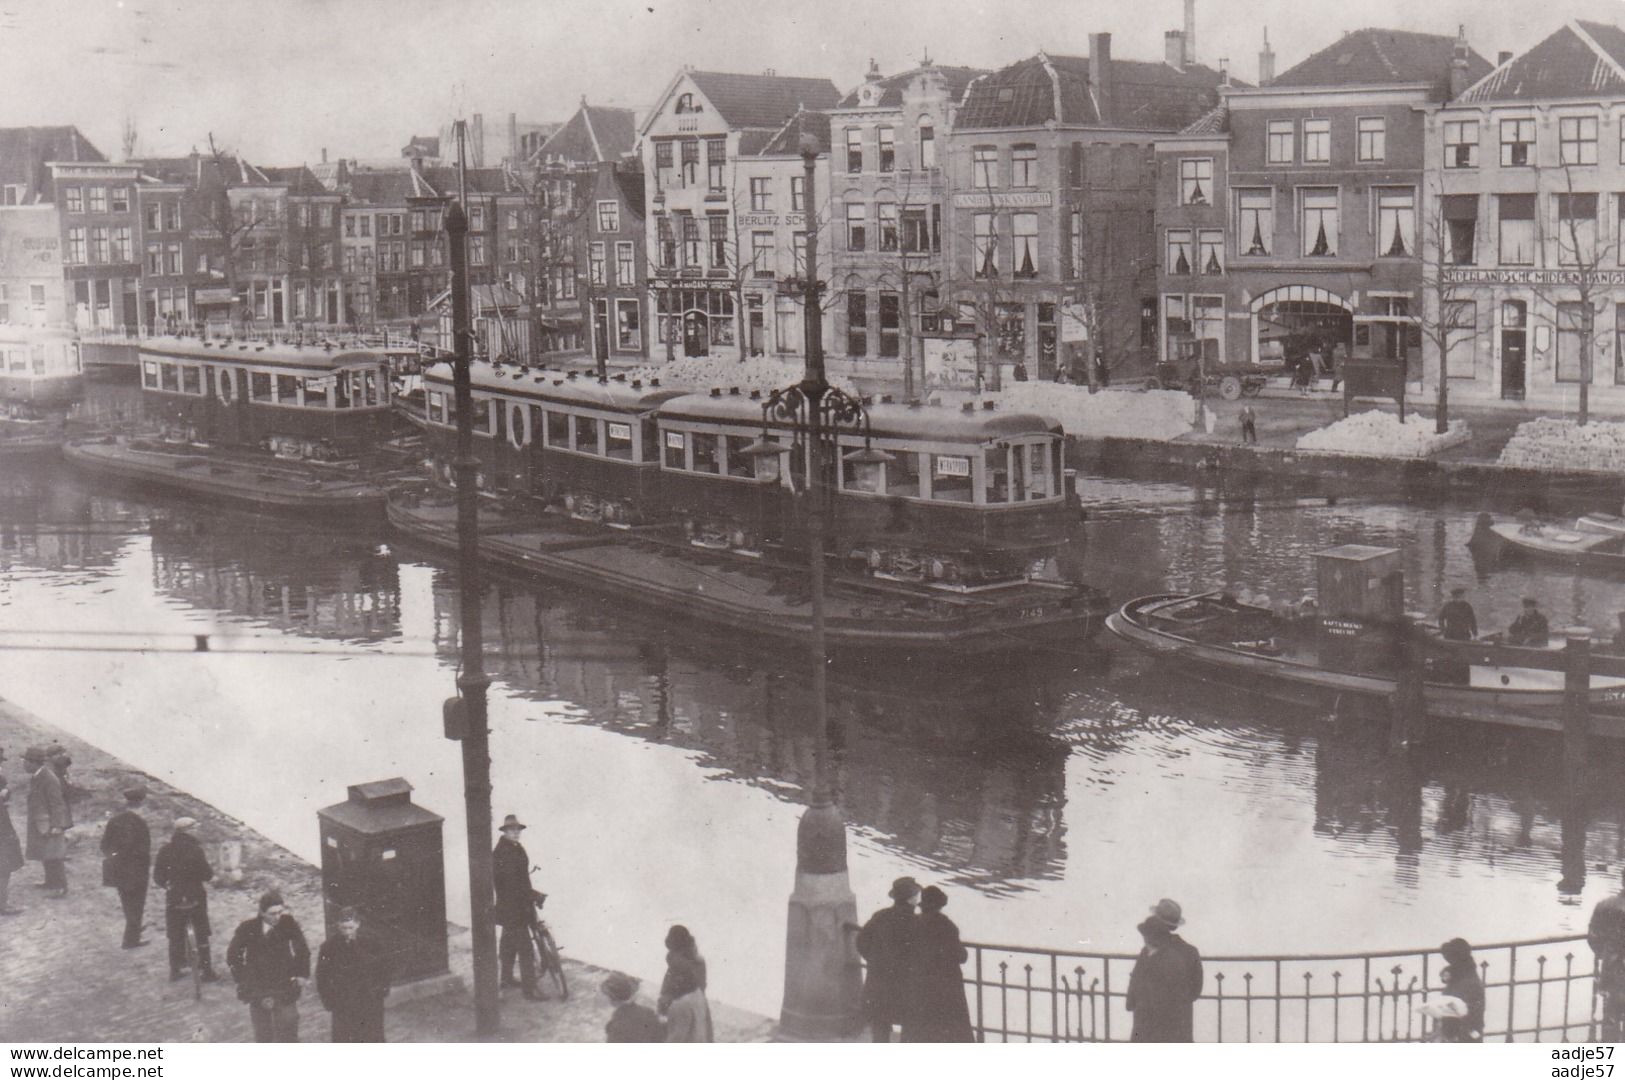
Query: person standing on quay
{"points": [[1461, 981], [1457, 619], [515, 908], [182, 870], [126, 861], [1249, 425], [886, 943], [1606, 935], [1166, 980], [48, 821], [688, 1016], [631, 1022], [270, 961], [937, 1011], [11, 848], [352, 980], [682, 955]]}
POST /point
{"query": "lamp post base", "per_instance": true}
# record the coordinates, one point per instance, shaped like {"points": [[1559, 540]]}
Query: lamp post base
{"points": [[823, 981]]}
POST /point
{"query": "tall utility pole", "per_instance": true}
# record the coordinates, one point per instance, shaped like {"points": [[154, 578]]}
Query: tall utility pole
{"points": [[472, 680]]}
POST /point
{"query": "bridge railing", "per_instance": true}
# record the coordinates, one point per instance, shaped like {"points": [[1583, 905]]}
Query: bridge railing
{"points": [[1541, 989]]}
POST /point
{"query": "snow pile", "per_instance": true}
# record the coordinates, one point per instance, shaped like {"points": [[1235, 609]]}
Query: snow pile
{"points": [[1380, 434], [1159, 415], [703, 372], [1550, 443]]}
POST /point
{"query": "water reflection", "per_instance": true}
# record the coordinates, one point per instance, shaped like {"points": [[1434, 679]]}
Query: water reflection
{"points": [[49, 523]]}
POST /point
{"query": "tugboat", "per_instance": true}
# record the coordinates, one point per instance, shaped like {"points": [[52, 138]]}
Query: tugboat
{"points": [[265, 424], [1349, 650]]}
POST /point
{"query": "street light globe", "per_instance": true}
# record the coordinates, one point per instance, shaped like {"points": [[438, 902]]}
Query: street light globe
{"points": [[809, 145]]}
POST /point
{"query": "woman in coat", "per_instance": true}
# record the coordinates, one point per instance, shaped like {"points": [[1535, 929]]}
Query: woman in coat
{"points": [[682, 955], [688, 1014], [11, 849], [1461, 981], [1166, 979], [937, 1011]]}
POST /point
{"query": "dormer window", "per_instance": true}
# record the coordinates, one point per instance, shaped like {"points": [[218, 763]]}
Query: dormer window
{"points": [[685, 104]]}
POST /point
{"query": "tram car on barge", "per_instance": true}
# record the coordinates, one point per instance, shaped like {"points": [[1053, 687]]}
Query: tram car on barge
{"points": [[39, 366]]}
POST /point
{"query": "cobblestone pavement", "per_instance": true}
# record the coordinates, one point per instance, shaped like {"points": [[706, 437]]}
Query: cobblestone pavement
{"points": [[64, 977]]}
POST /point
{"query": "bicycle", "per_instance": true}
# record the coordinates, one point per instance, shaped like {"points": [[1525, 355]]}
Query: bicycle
{"points": [[194, 955], [546, 950]]}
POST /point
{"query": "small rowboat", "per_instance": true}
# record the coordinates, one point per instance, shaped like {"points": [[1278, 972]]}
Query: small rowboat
{"points": [[1584, 544]]}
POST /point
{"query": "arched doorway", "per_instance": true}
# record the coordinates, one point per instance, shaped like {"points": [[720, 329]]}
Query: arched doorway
{"points": [[696, 333], [1298, 319]]}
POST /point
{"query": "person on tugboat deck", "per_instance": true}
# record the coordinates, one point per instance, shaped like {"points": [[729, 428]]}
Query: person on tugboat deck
{"points": [[1529, 629], [1457, 619]]}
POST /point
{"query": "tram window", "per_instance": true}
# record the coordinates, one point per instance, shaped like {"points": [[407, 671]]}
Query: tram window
{"points": [[558, 429], [651, 440], [191, 379], [259, 386], [370, 381], [287, 389], [705, 453], [618, 441], [1039, 481], [738, 460], [171, 377], [437, 408], [676, 444], [341, 389], [316, 391], [149, 374], [903, 474], [482, 416], [997, 476], [951, 478], [861, 476], [586, 435]]}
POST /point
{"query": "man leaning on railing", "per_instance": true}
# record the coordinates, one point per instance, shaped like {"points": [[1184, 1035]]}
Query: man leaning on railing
{"points": [[1607, 937]]}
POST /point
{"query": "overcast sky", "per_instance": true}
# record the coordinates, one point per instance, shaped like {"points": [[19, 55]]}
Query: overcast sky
{"points": [[281, 79]]}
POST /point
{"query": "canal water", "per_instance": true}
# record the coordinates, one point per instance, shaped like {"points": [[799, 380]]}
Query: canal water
{"points": [[662, 770]]}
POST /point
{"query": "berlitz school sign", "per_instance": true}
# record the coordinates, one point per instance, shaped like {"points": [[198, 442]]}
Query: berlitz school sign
{"points": [[1531, 277]]}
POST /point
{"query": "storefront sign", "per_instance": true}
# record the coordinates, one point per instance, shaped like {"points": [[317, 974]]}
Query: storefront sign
{"points": [[951, 466], [757, 221], [1074, 322], [950, 363], [212, 296], [1003, 200], [1468, 276]]}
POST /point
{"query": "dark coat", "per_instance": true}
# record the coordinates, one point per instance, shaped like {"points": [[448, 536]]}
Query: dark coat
{"points": [[675, 962], [1530, 628], [937, 1011], [1458, 621], [1162, 989], [886, 943], [127, 847], [47, 810], [634, 1023], [1606, 935], [11, 848], [265, 962], [510, 873], [182, 868], [351, 974], [1466, 985]]}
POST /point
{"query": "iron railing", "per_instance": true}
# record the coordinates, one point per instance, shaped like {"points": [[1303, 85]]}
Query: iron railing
{"points": [[1541, 989]]}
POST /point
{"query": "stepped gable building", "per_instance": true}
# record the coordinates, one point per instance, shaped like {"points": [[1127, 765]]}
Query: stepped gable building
{"points": [[1289, 218], [1050, 165], [693, 140], [889, 192], [1530, 166]]}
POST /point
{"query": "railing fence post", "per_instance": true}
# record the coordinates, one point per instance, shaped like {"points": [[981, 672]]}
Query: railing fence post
{"points": [[1054, 998]]}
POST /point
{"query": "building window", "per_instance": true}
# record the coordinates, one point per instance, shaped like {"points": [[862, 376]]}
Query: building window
{"points": [[1280, 142], [854, 150], [1195, 181], [172, 216], [666, 242], [716, 154], [628, 325], [122, 250], [1517, 142], [155, 258], [476, 219], [155, 217], [917, 232], [595, 263], [1516, 215], [1619, 344], [1577, 140], [1576, 229], [1179, 251], [797, 193], [1010, 322], [1255, 222], [98, 244], [1210, 251], [691, 162], [476, 250], [609, 215], [717, 228], [663, 154], [419, 256], [691, 240], [985, 249], [173, 263], [928, 145], [1024, 166], [98, 200], [854, 226], [888, 150], [366, 225], [1396, 222], [419, 222], [685, 104], [761, 254], [1460, 214], [887, 223], [984, 167], [1207, 324], [1461, 144], [1024, 230], [510, 220], [1317, 142], [1372, 138], [1319, 222], [857, 323], [1074, 242], [891, 321], [74, 199], [761, 195], [1573, 341], [625, 263]]}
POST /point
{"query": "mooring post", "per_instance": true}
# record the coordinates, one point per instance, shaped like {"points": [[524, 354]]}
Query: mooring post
{"points": [[1408, 705], [1576, 701]]}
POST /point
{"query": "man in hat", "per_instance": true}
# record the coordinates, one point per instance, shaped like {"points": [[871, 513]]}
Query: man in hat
{"points": [[886, 943], [182, 870], [1529, 628], [631, 1022], [1606, 935], [57, 755], [352, 979], [1457, 619], [515, 908], [48, 822], [1166, 980], [11, 848], [126, 861], [270, 961]]}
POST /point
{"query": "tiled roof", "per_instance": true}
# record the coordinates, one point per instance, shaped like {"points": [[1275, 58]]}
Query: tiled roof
{"points": [[1377, 57], [443, 181], [630, 180], [787, 140], [1580, 59], [595, 133], [422, 146], [762, 101], [300, 180], [891, 94], [386, 187], [1216, 121], [1145, 96], [24, 152]]}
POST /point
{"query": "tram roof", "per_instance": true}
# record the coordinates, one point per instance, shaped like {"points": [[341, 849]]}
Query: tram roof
{"points": [[312, 357], [886, 420], [570, 388]]}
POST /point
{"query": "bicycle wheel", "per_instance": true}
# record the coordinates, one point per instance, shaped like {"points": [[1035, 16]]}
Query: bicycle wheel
{"points": [[194, 963], [551, 964]]}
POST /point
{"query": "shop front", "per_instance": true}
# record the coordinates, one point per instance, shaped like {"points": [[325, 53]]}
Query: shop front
{"points": [[697, 321]]}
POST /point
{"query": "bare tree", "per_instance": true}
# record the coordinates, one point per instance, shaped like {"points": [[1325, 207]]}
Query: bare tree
{"points": [[1585, 256], [1449, 312], [238, 229]]}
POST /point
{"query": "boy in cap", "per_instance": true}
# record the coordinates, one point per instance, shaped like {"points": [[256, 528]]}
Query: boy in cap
{"points": [[1166, 980], [126, 860], [515, 907], [182, 869], [630, 1022], [352, 980], [1529, 628], [886, 942], [48, 821], [270, 961], [1457, 619]]}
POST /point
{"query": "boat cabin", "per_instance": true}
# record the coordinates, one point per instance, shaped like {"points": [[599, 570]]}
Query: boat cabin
{"points": [[38, 366], [316, 402]]}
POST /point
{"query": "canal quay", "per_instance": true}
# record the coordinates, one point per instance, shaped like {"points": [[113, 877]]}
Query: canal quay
{"points": [[1053, 793]]}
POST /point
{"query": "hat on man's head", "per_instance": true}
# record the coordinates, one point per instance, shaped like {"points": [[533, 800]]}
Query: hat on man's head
{"points": [[1530, 601], [348, 914], [1458, 591], [904, 888], [184, 824], [136, 794], [512, 822], [1168, 913], [619, 988], [933, 898], [271, 899], [35, 753]]}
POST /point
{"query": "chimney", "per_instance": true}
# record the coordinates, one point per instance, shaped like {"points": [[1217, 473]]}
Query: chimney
{"points": [[1266, 61], [1190, 31], [513, 137], [1100, 74], [477, 139], [1173, 49], [1502, 57], [1458, 63], [324, 155], [1224, 71], [873, 74]]}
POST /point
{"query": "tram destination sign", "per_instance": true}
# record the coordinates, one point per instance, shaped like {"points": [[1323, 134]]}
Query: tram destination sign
{"points": [[1531, 276]]}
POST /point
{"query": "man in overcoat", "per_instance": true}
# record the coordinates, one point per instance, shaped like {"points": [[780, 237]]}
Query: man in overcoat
{"points": [[126, 861], [1166, 980], [352, 980], [11, 848], [886, 944], [182, 869], [515, 907], [1606, 935], [270, 961], [48, 821]]}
